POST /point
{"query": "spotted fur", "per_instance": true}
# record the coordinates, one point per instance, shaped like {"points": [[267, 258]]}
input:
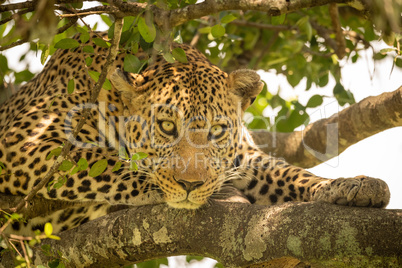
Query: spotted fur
{"points": [[185, 116]]}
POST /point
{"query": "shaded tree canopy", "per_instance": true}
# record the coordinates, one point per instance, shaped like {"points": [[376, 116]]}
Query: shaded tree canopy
{"points": [[304, 40]]}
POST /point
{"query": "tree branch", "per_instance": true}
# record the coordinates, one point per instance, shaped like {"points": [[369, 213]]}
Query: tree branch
{"points": [[336, 25], [314, 145], [262, 26], [237, 235]]}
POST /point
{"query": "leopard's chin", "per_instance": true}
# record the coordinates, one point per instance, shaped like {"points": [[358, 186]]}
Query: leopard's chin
{"points": [[185, 204]]}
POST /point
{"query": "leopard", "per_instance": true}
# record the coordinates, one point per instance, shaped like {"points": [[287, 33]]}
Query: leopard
{"points": [[185, 116]]}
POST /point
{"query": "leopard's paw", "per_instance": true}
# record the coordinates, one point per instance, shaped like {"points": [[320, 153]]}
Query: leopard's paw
{"points": [[360, 191]]}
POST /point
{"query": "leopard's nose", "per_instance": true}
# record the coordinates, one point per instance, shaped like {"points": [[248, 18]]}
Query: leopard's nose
{"points": [[189, 186]]}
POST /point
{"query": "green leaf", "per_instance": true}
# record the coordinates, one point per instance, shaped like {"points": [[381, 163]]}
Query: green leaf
{"points": [[147, 30], [228, 18], [70, 86], [88, 61], [305, 26], [84, 37], [168, 57], [277, 20], [123, 153], [54, 237], [23, 76], [48, 229], [55, 263], [139, 156], [44, 55], [132, 64], [180, 55], [189, 258], [217, 31], [77, 5], [67, 43], [75, 170], [153, 263], [128, 23], [3, 64], [89, 49], [387, 50], [66, 165], [98, 168], [94, 75], [100, 42], [133, 166], [314, 101], [343, 96], [107, 85], [82, 164], [106, 19], [323, 80], [46, 248], [54, 152], [116, 166], [205, 30], [58, 185]]}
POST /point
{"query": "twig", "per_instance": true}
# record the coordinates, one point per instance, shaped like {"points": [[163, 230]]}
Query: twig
{"points": [[89, 11], [98, 86], [14, 44], [19, 13], [324, 33], [262, 26], [82, 14], [336, 25], [68, 25], [356, 37], [28, 4]]}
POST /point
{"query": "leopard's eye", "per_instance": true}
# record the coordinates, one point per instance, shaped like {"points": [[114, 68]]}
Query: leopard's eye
{"points": [[167, 127], [217, 131]]}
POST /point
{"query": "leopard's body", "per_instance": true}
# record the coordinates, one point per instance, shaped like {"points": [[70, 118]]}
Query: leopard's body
{"points": [[185, 116]]}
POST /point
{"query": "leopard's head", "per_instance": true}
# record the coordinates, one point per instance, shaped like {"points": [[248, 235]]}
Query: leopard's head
{"points": [[187, 118]]}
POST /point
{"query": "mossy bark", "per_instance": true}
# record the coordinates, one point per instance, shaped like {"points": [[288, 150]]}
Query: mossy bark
{"points": [[238, 235]]}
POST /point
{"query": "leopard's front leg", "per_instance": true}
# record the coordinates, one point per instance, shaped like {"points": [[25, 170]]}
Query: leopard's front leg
{"points": [[268, 180]]}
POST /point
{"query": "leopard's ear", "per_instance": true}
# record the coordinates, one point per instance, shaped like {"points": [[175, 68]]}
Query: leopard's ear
{"points": [[127, 83], [246, 84]]}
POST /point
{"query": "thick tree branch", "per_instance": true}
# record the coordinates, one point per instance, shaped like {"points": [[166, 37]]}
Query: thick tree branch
{"points": [[327, 138], [181, 15], [237, 235]]}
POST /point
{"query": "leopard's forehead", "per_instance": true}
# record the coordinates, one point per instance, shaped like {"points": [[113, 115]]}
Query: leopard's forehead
{"points": [[196, 88]]}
